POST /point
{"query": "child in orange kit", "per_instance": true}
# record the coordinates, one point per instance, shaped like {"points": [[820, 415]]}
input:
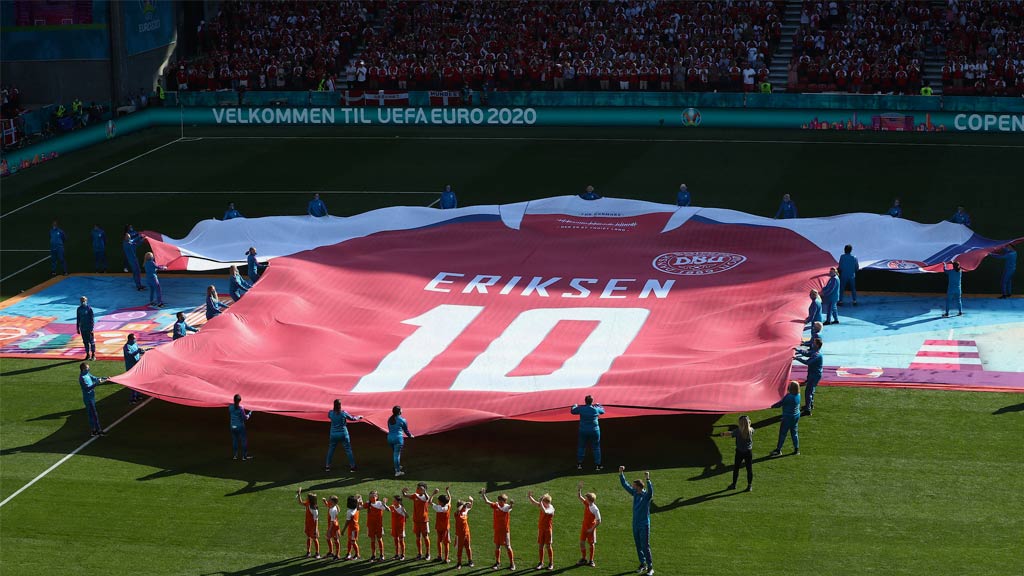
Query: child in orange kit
{"points": [[312, 521], [502, 520], [545, 524]]}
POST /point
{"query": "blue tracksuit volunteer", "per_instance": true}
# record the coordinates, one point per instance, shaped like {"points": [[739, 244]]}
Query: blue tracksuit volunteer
{"points": [[252, 265], [239, 441], [132, 354], [88, 382], [814, 310], [57, 239], [641, 519], [896, 211], [961, 217], [213, 306], [231, 213], [815, 363], [954, 294], [590, 194], [316, 207], [1009, 256], [790, 405], [156, 294], [339, 435], [448, 199], [830, 298], [787, 208], [99, 248], [683, 196], [398, 429], [182, 328], [590, 431], [131, 259], [84, 324], [237, 287], [848, 266]]}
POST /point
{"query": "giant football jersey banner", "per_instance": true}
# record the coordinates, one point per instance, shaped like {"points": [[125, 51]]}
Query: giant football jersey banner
{"points": [[518, 310]]}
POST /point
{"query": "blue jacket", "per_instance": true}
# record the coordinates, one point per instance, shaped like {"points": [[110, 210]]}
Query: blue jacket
{"points": [[151, 269], [641, 502], [229, 214], [830, 293], [238, 415], [683, 198], [86, 318], [790, 405], [253, 265], [213, 307], [181, 329], [128, 246], [88, 382], [317, 208], [338, 422], [961, 218], [396, 429], [57, 238], [815, 363], [99, 240], [448, 200], [132, 355], [588, 417], [590, 196], [814, 311], [848, 266], [895, 212], [786, 210], [238, 285]]}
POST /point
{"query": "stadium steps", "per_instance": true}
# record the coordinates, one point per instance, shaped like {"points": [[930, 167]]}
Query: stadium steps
{"points": [[935, 57], [779, 75]]}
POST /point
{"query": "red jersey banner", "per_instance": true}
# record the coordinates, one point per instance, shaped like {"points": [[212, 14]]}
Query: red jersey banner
{"points": [[515, 311]]}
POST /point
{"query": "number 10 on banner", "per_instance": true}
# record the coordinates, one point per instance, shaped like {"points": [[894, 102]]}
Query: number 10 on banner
{"points": [[442, 325]]}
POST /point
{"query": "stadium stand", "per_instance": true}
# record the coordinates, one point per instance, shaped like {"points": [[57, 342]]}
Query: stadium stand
{"points": [[984, 53], [273, 45]]}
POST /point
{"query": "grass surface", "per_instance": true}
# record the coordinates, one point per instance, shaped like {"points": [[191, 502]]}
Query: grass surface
{"points": [[889, 481]]}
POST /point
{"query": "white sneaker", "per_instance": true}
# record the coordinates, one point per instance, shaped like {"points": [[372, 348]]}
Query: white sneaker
{"points": [[650, 572], [399, 473]]}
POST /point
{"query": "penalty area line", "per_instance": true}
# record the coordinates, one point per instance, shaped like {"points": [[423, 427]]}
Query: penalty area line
{"points": [[73, 452]]}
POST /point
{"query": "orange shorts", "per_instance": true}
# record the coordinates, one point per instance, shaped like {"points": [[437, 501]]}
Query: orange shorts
{"points": [[333, 530], [375, 531], [502, 539], [444, 537], [397, 531], [353, 534], [312, 531], [421, 528], [462, 539], [544, 536], [588, 537]]}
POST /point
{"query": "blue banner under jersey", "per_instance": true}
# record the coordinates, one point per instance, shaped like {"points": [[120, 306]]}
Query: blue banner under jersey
{"points": [[148, 24]]}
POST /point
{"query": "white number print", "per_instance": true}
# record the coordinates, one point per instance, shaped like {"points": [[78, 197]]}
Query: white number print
{"points": [[441, 326]]}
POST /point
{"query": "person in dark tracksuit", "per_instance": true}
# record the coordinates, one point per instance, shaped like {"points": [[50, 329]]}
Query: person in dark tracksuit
{"points": [[744, 435], [590, 431], [790, 405], [339, 435], [85, 322], [641, 518], [814, 362], [830, 297]]}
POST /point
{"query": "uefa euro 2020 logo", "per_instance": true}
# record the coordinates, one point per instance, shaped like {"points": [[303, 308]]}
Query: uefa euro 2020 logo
{"points": [[147, 6], [691, 117]]}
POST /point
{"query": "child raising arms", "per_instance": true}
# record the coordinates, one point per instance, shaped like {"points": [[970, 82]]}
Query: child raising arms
{"points": [[462, 539], [375, 525], [312, 520], [333, 528], [591, 520], [544, 529], [442, 515], [502, 520]]}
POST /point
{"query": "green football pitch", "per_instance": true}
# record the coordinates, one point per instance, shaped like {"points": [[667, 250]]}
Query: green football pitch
{"points": [[889, 481]]}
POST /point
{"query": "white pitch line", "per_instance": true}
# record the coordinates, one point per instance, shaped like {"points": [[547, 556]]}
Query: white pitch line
{"points": [[87, 178], [75, 451], [36, 263], [222, 192], [624, 140]]}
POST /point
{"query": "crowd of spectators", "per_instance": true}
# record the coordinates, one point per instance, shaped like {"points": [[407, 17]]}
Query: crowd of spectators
{"points": [[290, 45], [599, 45], [984, 48], [865, 47]]}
